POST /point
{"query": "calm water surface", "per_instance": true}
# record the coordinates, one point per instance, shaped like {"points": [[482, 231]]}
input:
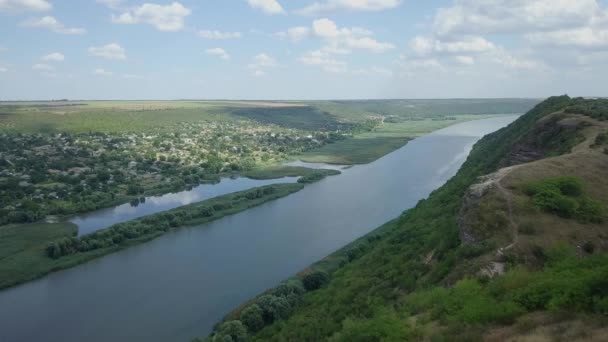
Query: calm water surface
{"points": [[90, 222], [176, 287]]}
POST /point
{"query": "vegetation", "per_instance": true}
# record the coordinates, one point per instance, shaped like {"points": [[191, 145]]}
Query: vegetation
{"points": [[595, 108], [289, 171], [380, 139], [37, 250], [393, 288], [565, 197]]}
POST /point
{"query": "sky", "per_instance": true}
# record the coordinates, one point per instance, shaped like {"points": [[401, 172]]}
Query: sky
{"points": [[302, 49]]}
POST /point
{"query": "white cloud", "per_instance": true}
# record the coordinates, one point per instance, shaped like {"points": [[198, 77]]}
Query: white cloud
{"points": [[108, 51], [102, 72], [509, 61], [132, 77], [267, 6], [52, 24], [219, 52], [349, 5], [295, 34], [347, 38], [42, 67], [465, 60], [374, 71], [432, 46], [411, 66], [324, 60], [219, 35], [3, 69], [16, 6], [507, 16], [261, 63], [583, 37], [163, 18], [54, 57], [113, 4]]}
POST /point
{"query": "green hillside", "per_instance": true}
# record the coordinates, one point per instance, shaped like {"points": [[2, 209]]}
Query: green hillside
{"points": [[511, 248]]}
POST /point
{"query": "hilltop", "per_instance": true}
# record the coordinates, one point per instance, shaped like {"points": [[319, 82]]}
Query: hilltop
{"points": [[511, 248]]}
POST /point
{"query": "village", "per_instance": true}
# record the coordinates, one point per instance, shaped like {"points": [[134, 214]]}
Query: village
{"points": [[65, 173]]}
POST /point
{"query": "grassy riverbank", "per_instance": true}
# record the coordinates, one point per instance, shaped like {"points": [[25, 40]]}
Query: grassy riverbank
{"points": [[366, 147], [279, 171], [31, 251]]}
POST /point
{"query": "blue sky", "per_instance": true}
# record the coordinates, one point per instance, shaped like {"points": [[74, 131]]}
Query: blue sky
{"points": [[301, 49]]}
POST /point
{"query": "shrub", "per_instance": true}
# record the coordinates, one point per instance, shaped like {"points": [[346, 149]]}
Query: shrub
{"points": [[253, 317], [231, 331], [273, 307], [315, 280]]}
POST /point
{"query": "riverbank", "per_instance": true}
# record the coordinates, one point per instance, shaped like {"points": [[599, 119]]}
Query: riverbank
{"points": [[34, 250], [366, 147]]}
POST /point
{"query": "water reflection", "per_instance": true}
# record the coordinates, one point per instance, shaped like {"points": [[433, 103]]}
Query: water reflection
{"points": [[90, 222]]}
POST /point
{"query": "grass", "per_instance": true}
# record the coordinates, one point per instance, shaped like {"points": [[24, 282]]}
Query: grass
{"points": [[366, 147], [273, 172], [22, 250], [23, 246]]}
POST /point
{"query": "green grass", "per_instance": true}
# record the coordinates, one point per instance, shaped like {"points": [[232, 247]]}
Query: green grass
{"points": [[354, 151], [23, 246], [273, 172], [368, 146], [22, 250]]}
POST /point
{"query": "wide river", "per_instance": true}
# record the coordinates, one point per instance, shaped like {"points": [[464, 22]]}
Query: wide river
{"points": [[176, 287]]}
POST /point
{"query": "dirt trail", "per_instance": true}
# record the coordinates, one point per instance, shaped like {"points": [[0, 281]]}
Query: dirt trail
{"points": [[514, 226]]}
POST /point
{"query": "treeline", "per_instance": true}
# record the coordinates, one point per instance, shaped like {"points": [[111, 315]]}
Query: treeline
{"points": [[151, 226], [596, 108], [278, 303]]}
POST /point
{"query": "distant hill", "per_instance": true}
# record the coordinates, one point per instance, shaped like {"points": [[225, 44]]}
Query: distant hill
{"points": [[514, 247]]}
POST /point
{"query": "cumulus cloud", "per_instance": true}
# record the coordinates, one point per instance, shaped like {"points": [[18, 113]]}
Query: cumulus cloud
{"points": [[583, 37], [505, 16], [464, 60], [261, 63], [373, 71], [113, 4], [42, 67], [219, 52], [17, 6], [348, 5], [54, 57], [324, 60], [168, 18], [219, 35], [347, 38], [102, 72], [295, 34], [470, 44], [108, 51], [52, 24], [267, 6]]}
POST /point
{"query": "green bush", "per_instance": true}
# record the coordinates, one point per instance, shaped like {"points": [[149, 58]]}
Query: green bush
{"points": [[253, 317], [315, 280], [565, 197]]}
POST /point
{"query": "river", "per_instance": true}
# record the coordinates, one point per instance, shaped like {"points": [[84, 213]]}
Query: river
{"points": [[103, 218], [176, 287]]}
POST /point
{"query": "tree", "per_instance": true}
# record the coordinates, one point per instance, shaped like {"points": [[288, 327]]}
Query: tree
{"points": [[253, 317], [315, 280], [273, 307], [235, 330]]}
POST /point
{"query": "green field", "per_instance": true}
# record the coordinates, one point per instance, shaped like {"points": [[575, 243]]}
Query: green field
{"points": [[22, 249], [366, 147]]}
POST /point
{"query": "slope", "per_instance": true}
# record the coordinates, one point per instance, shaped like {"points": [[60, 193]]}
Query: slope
{"points": [[483, 258]]}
